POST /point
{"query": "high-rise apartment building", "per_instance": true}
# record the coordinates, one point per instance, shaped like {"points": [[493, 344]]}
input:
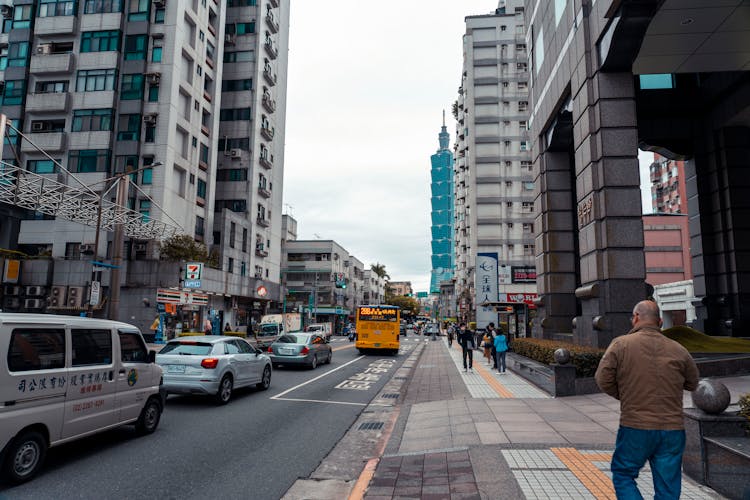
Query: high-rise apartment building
{"points": [[494, 233], [195, 88], [442, 211], [668, 189]]}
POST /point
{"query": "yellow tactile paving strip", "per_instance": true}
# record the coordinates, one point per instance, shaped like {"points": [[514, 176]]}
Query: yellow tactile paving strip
{"points": [[487, 376], [590, 476]]}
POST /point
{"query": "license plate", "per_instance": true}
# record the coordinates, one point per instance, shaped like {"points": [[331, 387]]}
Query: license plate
{"points": [[285, 350], [175, 368], [377, 345]]}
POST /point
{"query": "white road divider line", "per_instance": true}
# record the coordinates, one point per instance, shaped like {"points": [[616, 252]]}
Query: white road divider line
{"points": [[316, 378]]}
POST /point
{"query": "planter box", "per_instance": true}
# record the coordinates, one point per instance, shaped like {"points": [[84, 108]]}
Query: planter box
{"points": [[557, 380]]}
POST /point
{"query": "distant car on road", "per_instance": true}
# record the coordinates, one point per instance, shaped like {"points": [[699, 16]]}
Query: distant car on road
{"points": [[431, 328], [307, 349], [213, 365]]}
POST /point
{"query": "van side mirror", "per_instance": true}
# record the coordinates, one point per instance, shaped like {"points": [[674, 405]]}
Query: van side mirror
{"points": [[151, 356]]}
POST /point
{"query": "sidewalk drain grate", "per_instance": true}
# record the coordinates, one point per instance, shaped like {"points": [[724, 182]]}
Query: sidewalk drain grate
{"points": [[391, 395], [399, 378], [371, 426]]}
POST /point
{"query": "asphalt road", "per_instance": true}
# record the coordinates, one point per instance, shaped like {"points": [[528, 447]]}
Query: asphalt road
{"points": [[255, 447]]}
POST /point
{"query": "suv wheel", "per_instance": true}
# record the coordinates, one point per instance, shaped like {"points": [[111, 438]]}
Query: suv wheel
{"points": [[224, 394], [265, 382]]}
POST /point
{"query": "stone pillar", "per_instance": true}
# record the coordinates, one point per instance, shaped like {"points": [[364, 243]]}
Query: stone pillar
{"points": [[555, 245], [609, 210], [720, 231]]}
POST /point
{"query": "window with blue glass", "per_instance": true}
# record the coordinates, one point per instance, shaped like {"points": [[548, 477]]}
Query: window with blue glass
{"points": [[145, 209], [102, 6], [147, 175], [135, 47], [92, 120], [89, 160], [656, 81], [132, 87], [22, 16], [11, 136], [201, 189], [129, 127], [245, 28], [235, 114], [100, 41], [236, 85], [138, 10], [3, 58], [153, 93], [159, 15], [50, 8], [91, 80], [42, 166], [156, 54], [241, 3], [14, 92], [18, 54]]}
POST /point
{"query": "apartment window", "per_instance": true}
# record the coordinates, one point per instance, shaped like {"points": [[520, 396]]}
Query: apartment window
{"points": [[210, 50], [159, 16], [18, 54], [21, 17], [131, 87], [92, 120], [156, 53], [200, 190], [49, 8], [510, 225], [261, 212], [239, 56], [239, 206], [522, 105], [89, 160], [51, 87], [230, 265], [245, 28], [524, 146], [100, 41], [508, 184], [42, 166], [129, 127], [236, 85], [138, 10], [232, 234], [3, 58], [145, 210], [527, 165], [127, 163], [200, 226], [527, 206], [231, 174], [244, 239], [522, 125], [236, 114], [528, 186], [204, 154], [241, 3], [506, 143], [91, 80], [14, 92], [135, 47], [508, 163], [226, 144], [528, 250], [147, 175], [102, 6], [509, 204], [150, 133], [243, 268], [528, 227]]}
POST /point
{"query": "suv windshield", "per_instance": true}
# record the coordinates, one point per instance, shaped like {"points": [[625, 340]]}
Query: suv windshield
{"points": [[187, 348]]}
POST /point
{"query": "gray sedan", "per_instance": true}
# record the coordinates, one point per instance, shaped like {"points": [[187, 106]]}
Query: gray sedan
{"points": [[300, 349], [212, 365]]}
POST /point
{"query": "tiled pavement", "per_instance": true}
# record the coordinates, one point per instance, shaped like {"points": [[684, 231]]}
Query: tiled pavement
{"points": [[489, 435]]}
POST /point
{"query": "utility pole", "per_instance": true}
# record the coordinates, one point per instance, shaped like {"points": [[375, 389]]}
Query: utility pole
{"points": [[117, 244]]}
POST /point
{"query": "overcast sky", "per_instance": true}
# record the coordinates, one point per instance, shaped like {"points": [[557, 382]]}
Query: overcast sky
{"points": [[367, 86]]}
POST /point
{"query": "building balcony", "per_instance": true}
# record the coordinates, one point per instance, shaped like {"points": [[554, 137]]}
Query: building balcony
{"points": [[269, 103], [271, 23], [47, 141], [48, 102], [260, 251], [51, 63], [262, 222], [55, 25], [267, 133], [265, 193], [269, 76], [265, 162], [271, 49]]}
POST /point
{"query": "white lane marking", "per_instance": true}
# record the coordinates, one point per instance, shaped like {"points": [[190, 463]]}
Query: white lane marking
{"points": [[332, 402], [316, 378]]}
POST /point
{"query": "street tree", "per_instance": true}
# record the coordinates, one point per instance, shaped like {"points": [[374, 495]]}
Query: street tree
{"points": [[183, 247], [408, 305], [379, 270]]}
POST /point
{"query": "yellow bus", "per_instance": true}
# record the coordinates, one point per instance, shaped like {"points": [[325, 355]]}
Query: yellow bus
{"points": [[378, 328]]}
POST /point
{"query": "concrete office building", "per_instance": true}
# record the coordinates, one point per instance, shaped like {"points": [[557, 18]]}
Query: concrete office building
{"points": [[196, 88], [494, 233], [400, 288], [374, 288], [441, 175], [607, 77]]}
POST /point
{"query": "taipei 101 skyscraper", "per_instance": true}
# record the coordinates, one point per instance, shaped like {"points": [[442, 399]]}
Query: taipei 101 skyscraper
{"points": [[443, 256]]}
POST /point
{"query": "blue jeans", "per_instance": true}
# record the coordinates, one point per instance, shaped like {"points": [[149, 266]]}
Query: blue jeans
{"points": [[662, 449], [500, 360]]}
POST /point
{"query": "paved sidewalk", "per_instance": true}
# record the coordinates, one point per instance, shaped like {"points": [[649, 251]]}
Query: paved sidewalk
{"points": [[494, 436]]}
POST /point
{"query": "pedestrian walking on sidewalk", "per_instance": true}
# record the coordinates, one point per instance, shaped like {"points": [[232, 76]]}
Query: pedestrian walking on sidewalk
{"points": [[451, 330], [493, 352], [501, 349], [647, 372], [487, 345], [466, 340]]}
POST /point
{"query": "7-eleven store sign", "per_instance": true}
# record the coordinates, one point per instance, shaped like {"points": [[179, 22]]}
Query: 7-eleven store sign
{"points": [[167, 296]]}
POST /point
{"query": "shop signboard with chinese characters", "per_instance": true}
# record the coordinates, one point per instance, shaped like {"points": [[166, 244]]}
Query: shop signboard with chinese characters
{"points": [[486, 288], [523, 274], [505, 274]]}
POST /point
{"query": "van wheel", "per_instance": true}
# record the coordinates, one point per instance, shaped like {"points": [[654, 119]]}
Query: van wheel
{"points": [[265, 382], [149, 418], [25, 456], [224, 393]]}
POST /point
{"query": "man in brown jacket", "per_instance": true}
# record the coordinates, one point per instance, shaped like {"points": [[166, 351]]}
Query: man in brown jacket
{"points": [[647, 372]]}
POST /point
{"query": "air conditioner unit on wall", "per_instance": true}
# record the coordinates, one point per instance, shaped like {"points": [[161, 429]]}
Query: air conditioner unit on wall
{"points": [[75, 296], [44, 48], [35, 126], [150, 119], [35, 291], [235, 153], [153, 78], [11, 303], [33, 304], [57, 295], [12, 290]]}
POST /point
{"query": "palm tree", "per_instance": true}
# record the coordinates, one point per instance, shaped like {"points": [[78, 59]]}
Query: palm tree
{"points": [[379, 270]]}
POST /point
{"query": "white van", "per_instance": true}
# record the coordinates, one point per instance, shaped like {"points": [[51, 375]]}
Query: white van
{"points": [[63, 378]]}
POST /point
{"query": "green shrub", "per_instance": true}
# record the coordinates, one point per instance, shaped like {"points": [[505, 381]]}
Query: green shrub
{"points": [[696, 341], [585, 359], [744, 403], [235, 334]]}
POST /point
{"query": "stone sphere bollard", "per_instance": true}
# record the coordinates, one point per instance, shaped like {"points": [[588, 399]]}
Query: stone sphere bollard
{"points": [[562, 356], [711, 396]]}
